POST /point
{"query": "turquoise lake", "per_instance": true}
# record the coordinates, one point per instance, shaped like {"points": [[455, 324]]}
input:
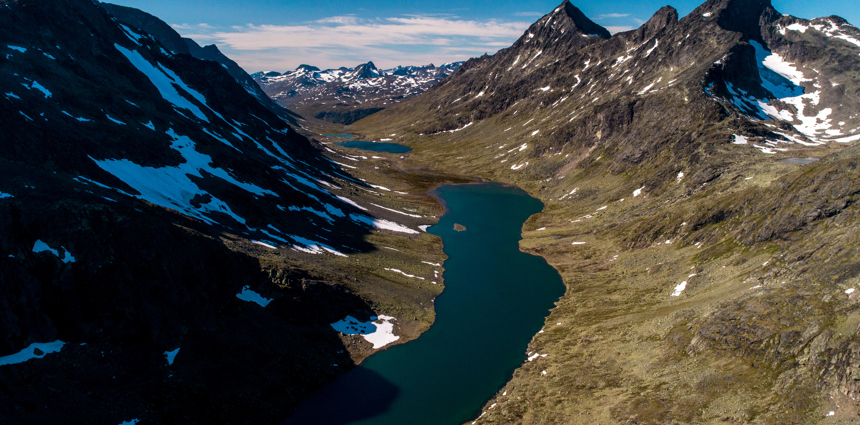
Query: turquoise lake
{"points": [[495, 300], [376, 147]]}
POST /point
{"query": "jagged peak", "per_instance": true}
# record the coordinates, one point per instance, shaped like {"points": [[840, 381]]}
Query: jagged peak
{"points": [[368, 65], [743, 16], [566, 18], [665, 17], [585, 25]]}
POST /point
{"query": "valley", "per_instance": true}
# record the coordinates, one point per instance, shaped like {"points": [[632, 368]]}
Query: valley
{"points": [[697, 175]]}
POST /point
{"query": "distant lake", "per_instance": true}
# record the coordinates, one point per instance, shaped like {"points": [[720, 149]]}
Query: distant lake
{"points": [[495, 300], [376, 147]]}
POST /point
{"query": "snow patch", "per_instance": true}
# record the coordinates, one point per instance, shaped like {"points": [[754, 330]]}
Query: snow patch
{"points": [[379, 331], [382, 224], [34, 85], [252, 297], [398, 212], [166, 81], [679, 289], [404, 273], [114, 120], [40, 246], [29, 353], [171, 187], [171, 355]]}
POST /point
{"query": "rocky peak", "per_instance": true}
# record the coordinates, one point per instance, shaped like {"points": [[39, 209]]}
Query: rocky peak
{"points": [[743, 16], [150, 24], [666, 17], [581, 22], [365, 70], [564, 28], [307, 68]]}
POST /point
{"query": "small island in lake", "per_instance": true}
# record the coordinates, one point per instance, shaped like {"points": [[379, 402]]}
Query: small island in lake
{"points": [[459, 227]]}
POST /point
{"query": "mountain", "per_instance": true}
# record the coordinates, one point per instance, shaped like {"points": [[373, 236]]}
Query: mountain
{"points": [[171, 250], [699, 176], [175, 43], [345, 95]]}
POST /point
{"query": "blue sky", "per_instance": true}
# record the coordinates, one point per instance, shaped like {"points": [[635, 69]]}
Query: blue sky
{"points": [[281, 34]]}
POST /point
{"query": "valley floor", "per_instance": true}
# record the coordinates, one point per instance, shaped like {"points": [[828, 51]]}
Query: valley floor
{"points": [[667, 318]]}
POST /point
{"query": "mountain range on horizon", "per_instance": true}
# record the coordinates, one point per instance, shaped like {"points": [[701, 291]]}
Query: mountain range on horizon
{"points": [[345, 95], [179, 239]]}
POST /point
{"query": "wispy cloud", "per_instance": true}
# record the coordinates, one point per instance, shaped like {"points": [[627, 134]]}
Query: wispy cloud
{"points": [[347, 41], [613, 15], [340, 20], [192, 27], [529, 14]]}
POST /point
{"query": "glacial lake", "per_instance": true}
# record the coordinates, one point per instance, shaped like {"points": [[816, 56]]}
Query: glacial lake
{"points": [[495, 300], [376, 147]]}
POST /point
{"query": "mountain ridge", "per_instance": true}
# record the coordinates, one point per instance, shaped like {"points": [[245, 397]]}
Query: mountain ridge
{"points": [[173, 251], [692, 243], [175, 43], [345, 95]]}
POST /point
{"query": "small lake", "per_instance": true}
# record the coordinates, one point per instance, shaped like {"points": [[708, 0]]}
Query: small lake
{"points": [[376, 147], [495, 300]]}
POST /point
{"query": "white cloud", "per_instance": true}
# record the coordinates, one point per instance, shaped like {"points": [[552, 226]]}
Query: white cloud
{"points": [[617, 29], [348, 41], [342, 20]]}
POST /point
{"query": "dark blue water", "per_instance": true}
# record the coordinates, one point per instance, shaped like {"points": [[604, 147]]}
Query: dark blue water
{"points": [[495, 300], [376, 147]]}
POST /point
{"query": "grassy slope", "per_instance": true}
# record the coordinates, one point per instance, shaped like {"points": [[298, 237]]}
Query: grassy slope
{"points": [[763, 333]]}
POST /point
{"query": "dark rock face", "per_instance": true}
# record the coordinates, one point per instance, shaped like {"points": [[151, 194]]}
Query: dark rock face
{"points": [[134, 180], [175, 43], [662, 21]]}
